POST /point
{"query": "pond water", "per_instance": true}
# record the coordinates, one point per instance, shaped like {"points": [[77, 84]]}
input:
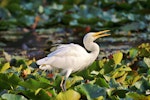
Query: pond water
{"points": [[38, 44]]}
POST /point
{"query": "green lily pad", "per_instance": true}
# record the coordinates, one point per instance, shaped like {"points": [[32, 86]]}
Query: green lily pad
{"points": [[147, 61], [67, 95], [13, 97], [39, 94], [9, 81], [91, 91], [5, 67], [102, 82], [133, 53], [120, 92], [117, 57], [34, 84]]}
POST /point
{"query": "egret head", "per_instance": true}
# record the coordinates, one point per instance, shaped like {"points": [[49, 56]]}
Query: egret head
{"points": [[92, 36]]}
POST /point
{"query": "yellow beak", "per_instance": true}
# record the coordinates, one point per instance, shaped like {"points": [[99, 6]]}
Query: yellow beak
{"points": [[101, 34]]}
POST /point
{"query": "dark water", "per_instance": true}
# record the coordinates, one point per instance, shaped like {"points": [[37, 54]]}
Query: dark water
{"points": [[36, 45]]}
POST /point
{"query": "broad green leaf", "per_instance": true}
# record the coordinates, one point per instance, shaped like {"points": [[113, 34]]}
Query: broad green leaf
{"points": [[122, 78], [73, 80], [1, 60], [102, 82], [43, 94], [13, 97], [99, 98], [94, 66], [13, 79], [37, 91], [136, 96], [119, 72], [147, 61], [39, 94], [108, 67], [9, 81], [144, 50], [132, 79], [57, 83], [101, 63], [113, 83], [133, 53], [5, 67], [34, 84], [91, 91], [117, 57], [4, 84], [136, 78], [67, 95], [22, 63], [43, 80], [120, 92], [148, 71]]}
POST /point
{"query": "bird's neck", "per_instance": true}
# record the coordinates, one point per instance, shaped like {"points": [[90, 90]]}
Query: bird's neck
{"points": [[93, 48]]}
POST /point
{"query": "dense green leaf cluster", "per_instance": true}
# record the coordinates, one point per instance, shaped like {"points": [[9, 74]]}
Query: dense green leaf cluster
{"points": [[119, 76], [130, 14]]}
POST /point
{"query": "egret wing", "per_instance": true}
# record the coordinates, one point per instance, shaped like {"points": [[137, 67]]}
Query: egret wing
{"points": [[68, 50], [64, 55]]}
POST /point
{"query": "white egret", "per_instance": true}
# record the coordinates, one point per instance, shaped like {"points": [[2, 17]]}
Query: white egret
{"points": [[73, 57]]}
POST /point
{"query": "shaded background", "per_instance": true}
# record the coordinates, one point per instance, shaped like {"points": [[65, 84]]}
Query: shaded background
{"points": [[29, 27]]}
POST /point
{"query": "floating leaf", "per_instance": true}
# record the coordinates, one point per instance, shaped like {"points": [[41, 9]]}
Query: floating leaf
{"points": [[108, 67], [147, 61], [133, 52], [1, 60], [136, 78], [122, 78], [144, 49], [8, 81], [34, 84], [39, 94], [120, 92], [73, 80], [101, 82], [113, 83], [99, 98], [117, 57], [5, 67], [67, 95], [43, 80], [136, 96], [118, 72], [13, 97], [91, 91], [43, 94], [37, 91]]}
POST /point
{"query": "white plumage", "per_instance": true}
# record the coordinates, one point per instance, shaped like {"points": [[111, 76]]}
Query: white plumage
{"points": [[73, 57]]}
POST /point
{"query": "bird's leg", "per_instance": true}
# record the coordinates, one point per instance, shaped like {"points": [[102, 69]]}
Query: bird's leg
{"points": [[63, 83], [64, 78]]}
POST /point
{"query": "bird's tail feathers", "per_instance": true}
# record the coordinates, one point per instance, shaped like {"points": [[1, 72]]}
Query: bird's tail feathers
{"points": [[42, 61], [45, 67]]}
